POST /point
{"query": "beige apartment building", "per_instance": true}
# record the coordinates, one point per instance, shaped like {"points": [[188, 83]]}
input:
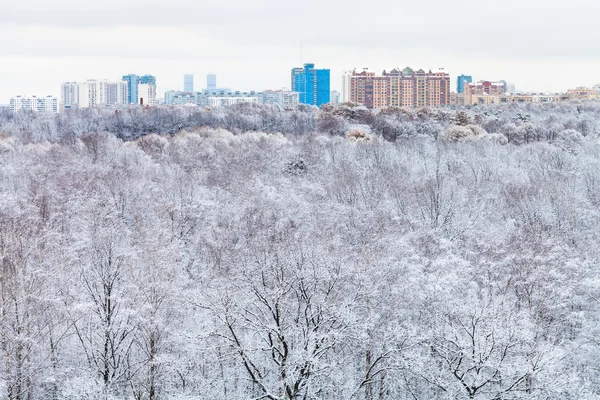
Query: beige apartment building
{"points": [[400, 88], [474, 92], [517, 98], [582, 93]]}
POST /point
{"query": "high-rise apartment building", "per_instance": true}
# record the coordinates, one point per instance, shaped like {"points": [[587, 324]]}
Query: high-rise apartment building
{"points": [[188, 83], [112, 92], [345, 91], [211, 82], [132, 85], [313, 85], [88, 94], [48, 104], [69, 94], [370, 90], [400, 88], [461, 81], [146, 94], [133, 82]]}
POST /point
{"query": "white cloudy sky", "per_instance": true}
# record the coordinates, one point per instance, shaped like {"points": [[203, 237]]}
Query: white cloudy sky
{"points": [[541, 45]]}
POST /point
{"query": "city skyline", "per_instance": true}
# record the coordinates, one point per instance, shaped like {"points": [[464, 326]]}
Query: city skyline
{"points": [[174, 81], [66, 40]]}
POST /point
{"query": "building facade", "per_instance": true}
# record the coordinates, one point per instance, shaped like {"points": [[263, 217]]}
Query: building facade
{"points": [[229, 101], [132, 85], [69, 94], [146, 94], [518, 98], [313, 85], [176, 97], [461, 81], [48, 104], [93, 93], [284, 98], [583, 93], [112, 92], [211, 98], [400, 88], [473, 91]]}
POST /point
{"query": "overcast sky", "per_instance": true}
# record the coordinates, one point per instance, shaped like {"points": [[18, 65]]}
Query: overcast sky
{"points": [[540, 45]]}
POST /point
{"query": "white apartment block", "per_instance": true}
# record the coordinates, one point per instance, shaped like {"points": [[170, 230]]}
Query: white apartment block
{"points": [[146, 94], [69, 94], [93, 93], [345, 92], [289, 99], [48, 104], [284, 98], [228, 101], [112, 92]]}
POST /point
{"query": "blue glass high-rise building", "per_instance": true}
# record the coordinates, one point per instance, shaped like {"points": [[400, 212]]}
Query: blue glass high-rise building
{"points": [[460, 82], [188, 83], [211, 82], [132, 85], [312, 84]]}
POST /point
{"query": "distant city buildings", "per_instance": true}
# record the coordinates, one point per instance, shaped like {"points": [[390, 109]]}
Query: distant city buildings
{"points": [[48, 104], [518, 98], [461, 81], [510, 88], [177, 97], [93, 93], [225, 101], [133, 83], [400, 88], [211, 85], [188, 83], [457, 98], [312, 84]]}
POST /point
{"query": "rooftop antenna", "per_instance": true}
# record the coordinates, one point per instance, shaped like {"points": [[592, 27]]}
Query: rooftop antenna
{"points": [[301, 53]]}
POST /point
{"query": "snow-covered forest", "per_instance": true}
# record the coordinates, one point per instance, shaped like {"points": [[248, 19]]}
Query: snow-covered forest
{"points": [[253, 252]]}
